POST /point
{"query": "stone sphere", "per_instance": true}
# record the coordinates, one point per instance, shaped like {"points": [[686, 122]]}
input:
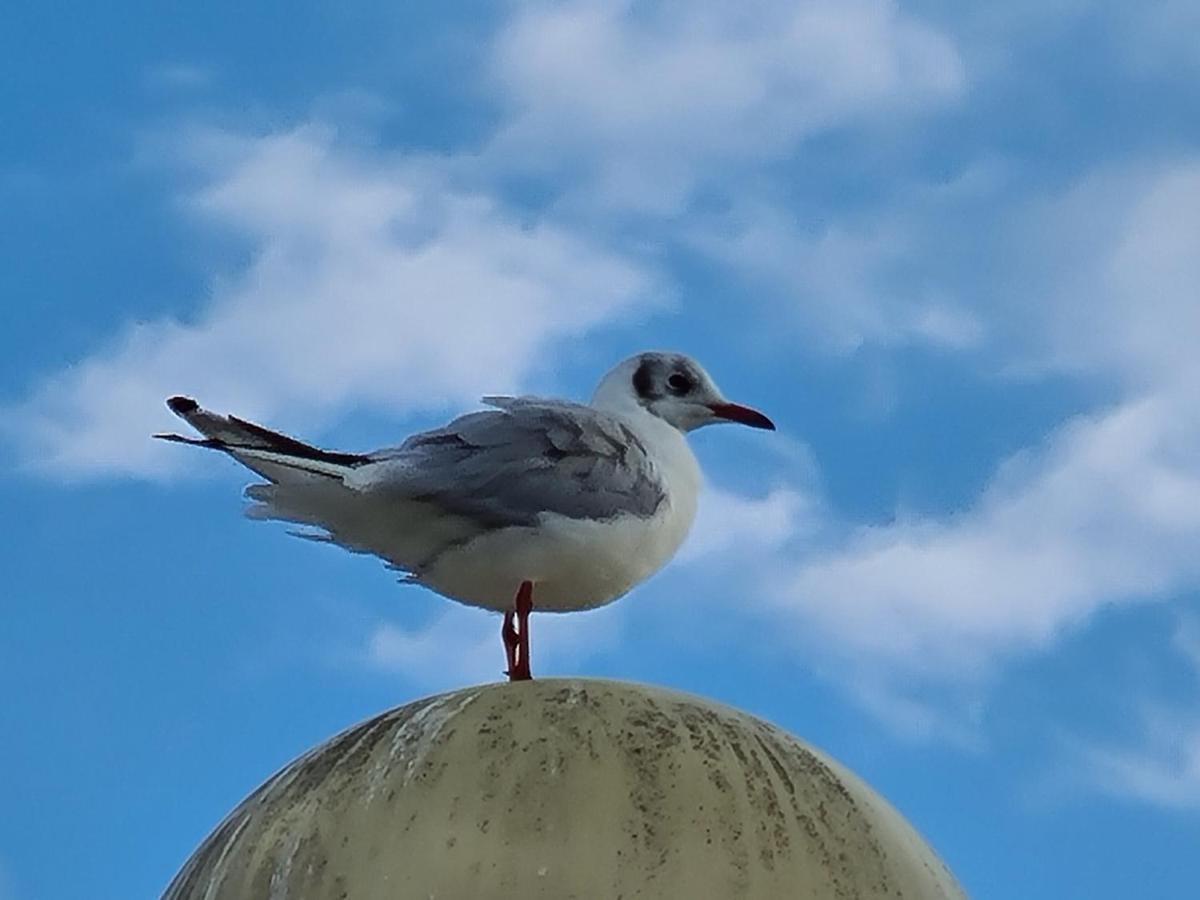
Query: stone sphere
{"points": [[563, 788]]}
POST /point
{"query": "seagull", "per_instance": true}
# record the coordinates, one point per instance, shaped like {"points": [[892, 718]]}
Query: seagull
{"points": [[533, 503]]}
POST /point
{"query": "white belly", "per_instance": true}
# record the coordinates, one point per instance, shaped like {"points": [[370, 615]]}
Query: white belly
{"points": [[573, 564]]}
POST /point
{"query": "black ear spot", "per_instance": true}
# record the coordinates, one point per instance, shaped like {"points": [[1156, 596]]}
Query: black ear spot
{"points": [[643, 380]]}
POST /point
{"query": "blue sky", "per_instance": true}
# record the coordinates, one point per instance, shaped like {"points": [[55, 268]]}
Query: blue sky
{"points": [[952, 249]]}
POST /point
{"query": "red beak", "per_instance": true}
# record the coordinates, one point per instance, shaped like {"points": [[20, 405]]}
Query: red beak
{"points": [[735, 412]]}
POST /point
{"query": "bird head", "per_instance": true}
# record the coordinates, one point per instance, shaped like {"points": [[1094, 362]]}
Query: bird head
{"points": [[676, 389]]}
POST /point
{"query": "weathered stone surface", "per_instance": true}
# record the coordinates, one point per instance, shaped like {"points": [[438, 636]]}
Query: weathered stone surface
{"points": [[563, 788]]}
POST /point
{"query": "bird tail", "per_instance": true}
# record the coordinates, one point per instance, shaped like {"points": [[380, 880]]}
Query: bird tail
{"points": [[305, 484], [277, 457], [308, 486]]}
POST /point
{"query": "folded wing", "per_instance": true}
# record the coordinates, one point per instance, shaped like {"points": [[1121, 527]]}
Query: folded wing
{"points": [[509, 465]]}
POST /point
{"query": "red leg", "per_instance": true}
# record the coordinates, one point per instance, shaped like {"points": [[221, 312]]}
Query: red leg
{"points": [[511, 641], [524, 604], [524, 608]]}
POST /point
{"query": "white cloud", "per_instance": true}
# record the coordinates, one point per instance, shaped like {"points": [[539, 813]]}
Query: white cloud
{"points": [[653, 99], [373, 281], [381, 280], [463, 645], [640, 108], [1105, 511]]}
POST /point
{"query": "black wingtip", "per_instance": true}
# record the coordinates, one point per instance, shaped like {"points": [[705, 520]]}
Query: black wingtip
{"points": [[182, 406]]}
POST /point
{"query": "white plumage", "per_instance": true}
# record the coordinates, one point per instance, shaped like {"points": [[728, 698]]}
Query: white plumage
{"points": [[582, 502]]}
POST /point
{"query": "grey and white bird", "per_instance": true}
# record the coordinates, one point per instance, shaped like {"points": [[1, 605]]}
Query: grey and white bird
{"points": [[533, 504]]}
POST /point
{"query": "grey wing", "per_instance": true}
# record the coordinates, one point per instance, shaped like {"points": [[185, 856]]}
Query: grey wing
{"points": [[507, 466]]}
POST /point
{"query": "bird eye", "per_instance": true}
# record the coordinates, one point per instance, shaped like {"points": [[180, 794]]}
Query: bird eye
{"points": [[679, 383]]}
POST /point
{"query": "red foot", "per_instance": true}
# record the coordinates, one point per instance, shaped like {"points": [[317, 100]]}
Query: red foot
{"points": [[516, 640]]}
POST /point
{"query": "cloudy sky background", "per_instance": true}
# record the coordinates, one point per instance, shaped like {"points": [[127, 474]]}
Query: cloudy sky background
{"points": [[954, 253]]}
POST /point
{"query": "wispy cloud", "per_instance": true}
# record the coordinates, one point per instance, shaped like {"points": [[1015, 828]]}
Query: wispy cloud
{"points": [[729, 524], [840, 283], [1165, 772], [1163, 767], [180, 76], [373, 281], [462, 645], [1155, 37], [1123, 247]]}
